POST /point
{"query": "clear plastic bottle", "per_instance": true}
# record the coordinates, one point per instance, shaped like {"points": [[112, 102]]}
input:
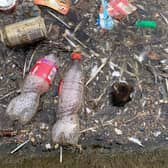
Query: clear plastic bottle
{"points": [[66, 129], [7, 6], [24, 106]]}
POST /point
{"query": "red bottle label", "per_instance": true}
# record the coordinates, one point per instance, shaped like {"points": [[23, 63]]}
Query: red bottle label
{"points": [[45, 69]]}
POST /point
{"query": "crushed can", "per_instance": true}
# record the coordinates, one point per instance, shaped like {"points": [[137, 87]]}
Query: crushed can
{"points": [[61, 6], [24, 32], [7, 6], [119, 9]]}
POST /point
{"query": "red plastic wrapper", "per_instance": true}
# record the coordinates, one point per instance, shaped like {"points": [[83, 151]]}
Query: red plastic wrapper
{"points": [[120, 8]]}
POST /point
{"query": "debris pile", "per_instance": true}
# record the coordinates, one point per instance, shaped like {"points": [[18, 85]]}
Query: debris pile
{"points": [[121, 97]]}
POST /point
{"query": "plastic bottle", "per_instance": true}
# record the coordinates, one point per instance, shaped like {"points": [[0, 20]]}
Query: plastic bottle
{"points": [[24, 106], [66, 129], [7, 6]]}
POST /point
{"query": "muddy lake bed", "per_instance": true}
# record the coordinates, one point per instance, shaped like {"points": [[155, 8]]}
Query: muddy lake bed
{"points": [[134, 135]]}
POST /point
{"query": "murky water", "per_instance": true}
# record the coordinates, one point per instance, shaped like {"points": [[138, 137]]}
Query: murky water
{"points": [[89, 159]]}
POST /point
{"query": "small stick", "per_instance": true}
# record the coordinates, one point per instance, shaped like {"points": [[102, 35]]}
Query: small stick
{"points": [[31, 58], [72, 35], [98, 70], [50, 28], [19, 147], [70, 42], [96, 101], [24, 69], [77, 47], [164, 18], [77, 27], [60, 154], [166, 80], [8, 94], [60, 20], [109, 122]]}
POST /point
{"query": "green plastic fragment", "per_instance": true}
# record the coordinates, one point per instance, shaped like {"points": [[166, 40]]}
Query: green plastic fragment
{"points": [[146, 23]]}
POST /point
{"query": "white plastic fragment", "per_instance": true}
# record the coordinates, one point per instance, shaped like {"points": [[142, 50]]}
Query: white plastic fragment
{"points": [[48, 146], [136, 141], [140, 7], [88, 110], [116, 74], [157, 133], [118, 131], [166, 50]]}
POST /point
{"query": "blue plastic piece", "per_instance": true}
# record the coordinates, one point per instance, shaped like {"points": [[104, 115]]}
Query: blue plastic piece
{"points": [[106, 21]]}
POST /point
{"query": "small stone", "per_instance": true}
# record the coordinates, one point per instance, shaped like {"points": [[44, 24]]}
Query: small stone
{"points": [[1, 77], [32, 139], [56, 146], [13, 66], [48, 146]]}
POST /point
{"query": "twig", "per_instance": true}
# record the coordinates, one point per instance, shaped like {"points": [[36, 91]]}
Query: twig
{"points": [[159, 114], [60, 154], [60, 20], [24, 68], [96, 101], [8, 94], [19, 147], [70, 41], [72, 35], [77, 27], [136, 116], [77, 47], [50, 28], [98, 70], [31, 58], [109, 122], [164, 18], [120, 68]]}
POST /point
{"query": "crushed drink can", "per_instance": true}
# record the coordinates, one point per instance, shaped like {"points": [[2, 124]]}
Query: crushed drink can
{"points": [[24, 32], [61, 6], [7, 5]]}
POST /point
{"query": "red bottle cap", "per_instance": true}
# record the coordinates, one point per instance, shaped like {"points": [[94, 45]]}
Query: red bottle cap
{"points": [[76, 56]]}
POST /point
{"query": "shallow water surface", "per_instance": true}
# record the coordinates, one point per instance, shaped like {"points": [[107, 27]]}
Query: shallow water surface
{"points": [[95, 159]]}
